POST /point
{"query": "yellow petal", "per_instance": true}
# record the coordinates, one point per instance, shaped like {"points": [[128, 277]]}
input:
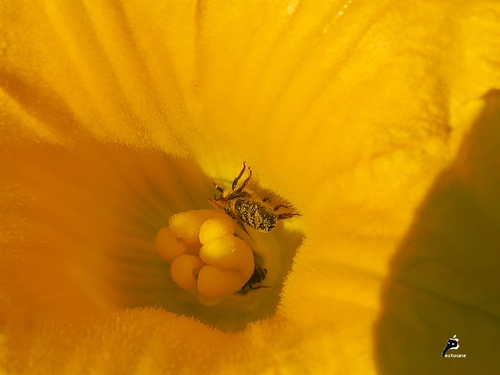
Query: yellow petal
{"points": [[441, 280], [347, 109]]}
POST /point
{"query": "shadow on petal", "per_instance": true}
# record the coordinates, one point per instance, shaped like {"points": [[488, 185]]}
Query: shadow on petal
{"points": [[79, 230], [444, 278]]}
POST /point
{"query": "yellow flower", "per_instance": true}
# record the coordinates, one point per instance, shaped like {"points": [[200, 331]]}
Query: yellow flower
{"points": [[376, 120]]}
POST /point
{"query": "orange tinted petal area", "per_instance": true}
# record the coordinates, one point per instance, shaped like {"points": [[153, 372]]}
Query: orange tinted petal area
{"points": [[361, 113]]}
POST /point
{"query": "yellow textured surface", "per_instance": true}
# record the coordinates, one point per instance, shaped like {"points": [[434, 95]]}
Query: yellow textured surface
{"points": [[375, 118]]}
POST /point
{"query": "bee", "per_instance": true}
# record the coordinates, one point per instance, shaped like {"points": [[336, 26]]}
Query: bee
{"points": [[259, 274], [244, 209]]}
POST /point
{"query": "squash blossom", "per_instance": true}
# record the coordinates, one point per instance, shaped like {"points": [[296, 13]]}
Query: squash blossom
{"points": [[249, 187]]}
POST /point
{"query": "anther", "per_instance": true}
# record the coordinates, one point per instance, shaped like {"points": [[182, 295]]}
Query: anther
{"points": [[186, 225], [168, 246], [205, 255], [184, 270]]}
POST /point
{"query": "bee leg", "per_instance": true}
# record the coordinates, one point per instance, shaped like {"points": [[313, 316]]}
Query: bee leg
{"points": [[217, 186], [235, 182], [267, 199], [250, 286], [258, 287], [279, 206], [217, 204], [245, 183], [286, 215]]}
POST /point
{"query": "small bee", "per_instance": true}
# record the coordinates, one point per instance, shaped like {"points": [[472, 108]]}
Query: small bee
{"points": [[259, 274], [240, 205]]}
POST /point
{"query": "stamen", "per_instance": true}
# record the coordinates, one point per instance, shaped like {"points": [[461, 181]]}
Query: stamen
{"points": [[168, 246], [217, 282], [186, 225], [229, 252], [183, 271], [216, 228], [205, 255]]}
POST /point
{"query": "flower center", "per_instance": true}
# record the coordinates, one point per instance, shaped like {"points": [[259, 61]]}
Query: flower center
{"points": [[228, 266], [205, 255], [92, 214]]}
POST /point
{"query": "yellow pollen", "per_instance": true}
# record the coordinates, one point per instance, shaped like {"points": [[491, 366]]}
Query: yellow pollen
{"points": [[229, 252], [186, 225], [205, 255]]}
